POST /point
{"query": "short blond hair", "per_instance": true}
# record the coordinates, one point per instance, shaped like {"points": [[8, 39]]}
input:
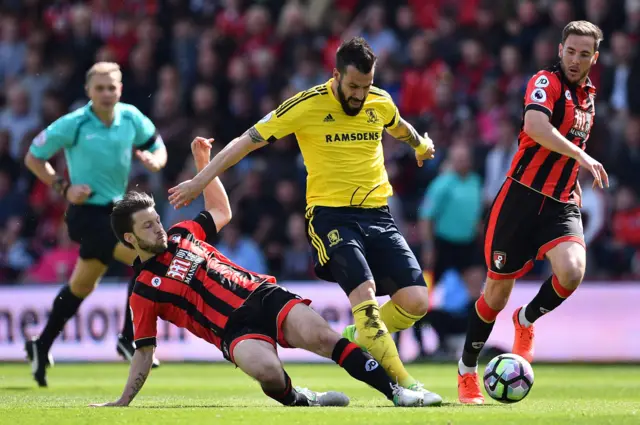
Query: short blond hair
{"points": [[103, 68], [583, 28]]}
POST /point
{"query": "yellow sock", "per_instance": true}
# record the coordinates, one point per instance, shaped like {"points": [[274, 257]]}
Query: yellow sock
{"points": [[374, 336], [396, 318]]}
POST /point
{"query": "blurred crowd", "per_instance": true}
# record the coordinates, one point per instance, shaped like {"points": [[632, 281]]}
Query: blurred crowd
{"points": [[455, 68]]}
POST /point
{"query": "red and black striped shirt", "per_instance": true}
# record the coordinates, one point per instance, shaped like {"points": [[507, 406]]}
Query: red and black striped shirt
{"points": [[571, 110], [191, 285]]}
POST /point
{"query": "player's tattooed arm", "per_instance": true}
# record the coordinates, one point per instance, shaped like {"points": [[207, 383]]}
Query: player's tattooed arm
{"points": [[254, 135], [140, 368], [406, 133]]}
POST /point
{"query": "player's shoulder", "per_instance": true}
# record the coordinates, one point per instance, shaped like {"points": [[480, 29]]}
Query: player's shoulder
{"points": [[129, 111], [73, 119], [546, 77], [306, 99], [378, 92]]}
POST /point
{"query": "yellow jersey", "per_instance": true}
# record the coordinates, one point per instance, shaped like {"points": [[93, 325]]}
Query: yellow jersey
{"points": [[343, 154]]}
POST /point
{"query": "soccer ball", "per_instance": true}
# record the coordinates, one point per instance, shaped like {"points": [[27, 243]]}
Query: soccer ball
{"points": [[508, 378]]}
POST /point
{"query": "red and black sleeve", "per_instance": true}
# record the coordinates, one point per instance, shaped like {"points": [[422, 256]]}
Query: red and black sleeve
{"points": [[145, 320], [202, 227], [543, 91]]}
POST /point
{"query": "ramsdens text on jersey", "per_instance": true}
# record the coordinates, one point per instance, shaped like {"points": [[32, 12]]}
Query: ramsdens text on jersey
{"points": [[353, 137]]}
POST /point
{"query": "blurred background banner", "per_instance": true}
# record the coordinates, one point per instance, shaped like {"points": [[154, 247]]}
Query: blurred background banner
{"points": [[596, 324]]}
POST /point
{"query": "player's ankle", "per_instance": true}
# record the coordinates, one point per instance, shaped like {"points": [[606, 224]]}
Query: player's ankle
{"points": [[464, 369], [522, 317]]}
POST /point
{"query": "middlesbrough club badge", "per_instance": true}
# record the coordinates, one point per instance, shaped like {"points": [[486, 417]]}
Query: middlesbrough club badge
{"points": [[499, 259]]}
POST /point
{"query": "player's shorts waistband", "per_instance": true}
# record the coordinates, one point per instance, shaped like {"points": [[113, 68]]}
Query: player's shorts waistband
{"points": [[349, 210]]}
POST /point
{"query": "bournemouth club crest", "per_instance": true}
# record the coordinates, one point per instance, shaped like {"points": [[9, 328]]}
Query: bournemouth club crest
{"points": [[499, 259]]}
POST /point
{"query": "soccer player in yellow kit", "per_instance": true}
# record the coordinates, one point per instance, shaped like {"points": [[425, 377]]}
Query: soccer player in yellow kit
{"points": [[355, 241]]}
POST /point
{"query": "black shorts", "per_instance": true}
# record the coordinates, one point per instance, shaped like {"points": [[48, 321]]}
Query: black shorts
{"points": [[260, 317], [352, 245], [522, 226], [90, 226], [456, 256]]}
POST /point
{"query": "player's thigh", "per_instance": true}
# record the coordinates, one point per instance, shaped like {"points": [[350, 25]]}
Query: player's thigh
{"points": [[350, 269], [338, 247], [258, 358], [561, 240], [123, 254], [509, 245], [397, 272], [306, 329], [85, 276]]}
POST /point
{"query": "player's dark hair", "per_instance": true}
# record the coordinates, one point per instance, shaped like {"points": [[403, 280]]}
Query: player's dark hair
{"points": [[583, 28], [123, 210], [355, 52]]}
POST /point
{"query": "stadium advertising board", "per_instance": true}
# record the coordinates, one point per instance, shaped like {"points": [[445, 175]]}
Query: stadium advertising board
{"points": [[595, 324]]}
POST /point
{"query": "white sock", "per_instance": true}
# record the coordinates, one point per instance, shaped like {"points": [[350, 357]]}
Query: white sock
{"points": [[462, 368], [522, 319]]}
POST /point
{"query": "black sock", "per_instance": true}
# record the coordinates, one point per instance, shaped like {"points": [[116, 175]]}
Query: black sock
{"points": [[127, 326], [64, 308], [362, 366], [481, 321], [288, 397], [550, 296]]}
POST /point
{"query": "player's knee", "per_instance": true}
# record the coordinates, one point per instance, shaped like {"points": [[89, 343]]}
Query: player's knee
{"points": [[416, 302], [364, 292], [82, 289], [497, 292], [326, 340], [571, 275], [270, 374]]}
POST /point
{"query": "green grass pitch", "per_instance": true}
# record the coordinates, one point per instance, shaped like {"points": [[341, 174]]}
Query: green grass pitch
{"points": [[219, 394]]}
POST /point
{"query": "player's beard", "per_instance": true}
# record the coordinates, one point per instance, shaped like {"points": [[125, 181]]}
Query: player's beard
{"points": [[157, 248], [349, 110], [582, 76]]}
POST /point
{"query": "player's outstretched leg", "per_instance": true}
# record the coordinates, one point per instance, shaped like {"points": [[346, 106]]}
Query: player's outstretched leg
{"points": [[482, 317], [83, 280], [568, 261], [258, 359], [306, 329]]}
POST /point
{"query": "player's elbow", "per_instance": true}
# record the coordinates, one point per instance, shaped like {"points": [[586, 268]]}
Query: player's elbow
{"points": [[226, 216], [30, 161]]}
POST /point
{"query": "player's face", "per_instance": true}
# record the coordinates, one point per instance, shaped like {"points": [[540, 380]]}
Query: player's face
{"points": [[577, 56], [353, 89], [105, 90], [148, 234]]}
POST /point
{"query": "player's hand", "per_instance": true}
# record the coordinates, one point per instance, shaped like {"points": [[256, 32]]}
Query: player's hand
{"points": [[201, 149], [117, 403], [600, 177], [149, 161], [182, 194], [429, 154], [77, 194]]}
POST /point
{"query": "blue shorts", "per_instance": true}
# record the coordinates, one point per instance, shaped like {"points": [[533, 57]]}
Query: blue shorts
{"points": [[351, 245]]}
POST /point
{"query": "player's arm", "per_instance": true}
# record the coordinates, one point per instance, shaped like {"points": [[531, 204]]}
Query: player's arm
{"points": [[542, 93], [276, 125], [150, 148], [144, 325], [216, 201], [397, 127], [539, 128], [44, 146]]}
